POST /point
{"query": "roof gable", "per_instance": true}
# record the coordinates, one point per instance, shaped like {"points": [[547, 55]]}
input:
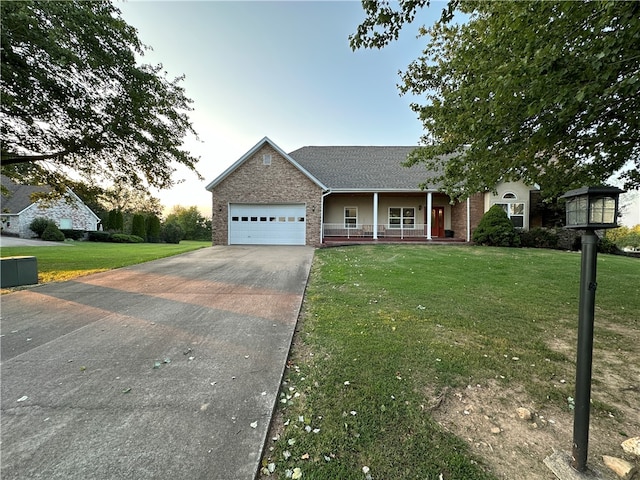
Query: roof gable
{"points": [[251, 152]]}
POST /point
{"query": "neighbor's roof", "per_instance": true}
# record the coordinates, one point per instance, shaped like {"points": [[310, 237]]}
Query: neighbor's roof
{"points": [[19, 196], [364, 167]]}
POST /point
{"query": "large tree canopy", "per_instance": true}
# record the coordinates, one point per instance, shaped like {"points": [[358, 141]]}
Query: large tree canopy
{"points": [[545, 92], [74, 99]]}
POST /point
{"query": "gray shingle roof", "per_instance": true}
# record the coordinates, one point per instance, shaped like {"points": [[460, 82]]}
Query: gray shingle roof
{"points": [[363, 167], [19, 196]]}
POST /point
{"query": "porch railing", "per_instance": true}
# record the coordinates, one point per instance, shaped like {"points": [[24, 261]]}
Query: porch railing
{"points": [[362, 230]]}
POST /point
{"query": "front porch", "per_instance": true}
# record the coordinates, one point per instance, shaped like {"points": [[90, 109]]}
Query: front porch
{"points": [[337, 234], [386, 231], [393, 217]]}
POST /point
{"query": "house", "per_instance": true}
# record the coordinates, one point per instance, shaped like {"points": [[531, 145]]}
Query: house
{"points": [[18, 209], [317, 194]]}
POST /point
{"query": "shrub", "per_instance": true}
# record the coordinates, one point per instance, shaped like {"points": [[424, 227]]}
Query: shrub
{"points": [[52, 233], [73, 234], [123, 238], [496, 230], [605, 245], [539, 238], [172, 233], [153, 229], [39, 225], [99, 236], [138, 227]]}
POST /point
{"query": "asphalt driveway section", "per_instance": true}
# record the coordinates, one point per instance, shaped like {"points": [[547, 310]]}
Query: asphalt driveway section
{"points": [[165, 370]]}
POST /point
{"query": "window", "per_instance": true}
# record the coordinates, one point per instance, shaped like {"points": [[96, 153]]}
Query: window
{"points": [[66, 224], [350, 217], [514, 210], [266, 159], [404, 217]]}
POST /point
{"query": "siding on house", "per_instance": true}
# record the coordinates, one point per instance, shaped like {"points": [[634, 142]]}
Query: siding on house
{"points": [[255, 183]]}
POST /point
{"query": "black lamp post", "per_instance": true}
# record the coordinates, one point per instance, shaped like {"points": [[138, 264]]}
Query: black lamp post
{"points": [[589, 209]]}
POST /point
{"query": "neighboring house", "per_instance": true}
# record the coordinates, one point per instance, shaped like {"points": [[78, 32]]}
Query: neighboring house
{"points": [[317, 194], [18, 210]]}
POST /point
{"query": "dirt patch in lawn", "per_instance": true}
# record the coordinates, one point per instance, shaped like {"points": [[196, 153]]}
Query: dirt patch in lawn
{"points": [[490, 419]]}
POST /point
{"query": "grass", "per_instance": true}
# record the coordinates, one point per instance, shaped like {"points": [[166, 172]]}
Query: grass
{"points": [[387, 328], [82, 258]]}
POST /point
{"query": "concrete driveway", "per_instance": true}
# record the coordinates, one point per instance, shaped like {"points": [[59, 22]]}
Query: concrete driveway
{"points": [[164, 370]]}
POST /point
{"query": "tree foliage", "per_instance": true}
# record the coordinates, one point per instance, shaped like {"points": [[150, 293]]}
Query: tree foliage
{"points": [[152, 223], [172, 233], [544, 92], [138, 227], [75, 99], [192, 223]]}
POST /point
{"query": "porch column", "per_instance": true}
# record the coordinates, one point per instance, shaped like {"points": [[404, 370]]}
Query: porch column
{"points": [[429, 207], [375, 215], [468, 219]]}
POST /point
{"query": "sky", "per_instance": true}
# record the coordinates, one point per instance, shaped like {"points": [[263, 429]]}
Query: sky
{"points": [[284, 70]]}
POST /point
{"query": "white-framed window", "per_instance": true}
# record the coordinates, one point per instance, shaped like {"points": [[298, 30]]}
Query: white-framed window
{"points": [[266, 159], [350, 217], [513, 208], [402, 217], [66, 224]]}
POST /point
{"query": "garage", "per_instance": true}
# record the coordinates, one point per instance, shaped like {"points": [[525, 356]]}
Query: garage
{"points": [[267, 224]]}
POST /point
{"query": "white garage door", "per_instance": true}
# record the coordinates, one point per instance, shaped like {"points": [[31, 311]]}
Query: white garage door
{"points": [[281, 224]]}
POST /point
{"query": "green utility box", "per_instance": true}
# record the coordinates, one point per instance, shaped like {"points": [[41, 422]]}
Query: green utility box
{"points": [[16, 271]]}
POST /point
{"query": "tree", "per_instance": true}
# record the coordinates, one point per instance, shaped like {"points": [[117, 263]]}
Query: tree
{"points": [[172, 233], [138, 227], [544, 92], [193, 225], [114, 221], [130, 200], [153, 229], [74, 98]]}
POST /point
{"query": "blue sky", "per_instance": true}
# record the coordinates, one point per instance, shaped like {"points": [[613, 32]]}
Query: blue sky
{"points": [[284, 70], [278, 69]]}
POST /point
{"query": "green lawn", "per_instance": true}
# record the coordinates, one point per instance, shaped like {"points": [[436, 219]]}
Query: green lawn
{"points": [[82, 258], [384, 328]]}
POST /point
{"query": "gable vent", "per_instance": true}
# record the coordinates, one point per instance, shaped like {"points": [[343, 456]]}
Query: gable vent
{"points": [[266, 159]]}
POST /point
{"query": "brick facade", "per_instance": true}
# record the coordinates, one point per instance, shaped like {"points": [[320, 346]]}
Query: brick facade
{"points": [[65, 211], [254, 182], [459, 215]]}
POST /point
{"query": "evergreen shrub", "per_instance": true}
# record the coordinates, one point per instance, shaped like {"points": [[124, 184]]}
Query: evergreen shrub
{"points": [[138, 227], [153, 229], [39, 225], [123, 238], [539, 238], [496, 230], [99, 236], [52, 233]]}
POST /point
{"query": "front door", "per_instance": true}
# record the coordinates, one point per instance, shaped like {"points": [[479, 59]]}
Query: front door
{"points": [[437, 222]]}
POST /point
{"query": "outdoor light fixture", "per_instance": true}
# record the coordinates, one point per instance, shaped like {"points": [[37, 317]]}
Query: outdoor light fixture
{"points": [[588, 209], [592, 207]]}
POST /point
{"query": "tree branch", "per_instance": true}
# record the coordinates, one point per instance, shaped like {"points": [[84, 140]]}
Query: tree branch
{"points": [[15, 159]]}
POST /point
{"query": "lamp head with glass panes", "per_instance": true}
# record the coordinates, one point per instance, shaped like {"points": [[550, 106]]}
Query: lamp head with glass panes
{"points": [[592, 207]]}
